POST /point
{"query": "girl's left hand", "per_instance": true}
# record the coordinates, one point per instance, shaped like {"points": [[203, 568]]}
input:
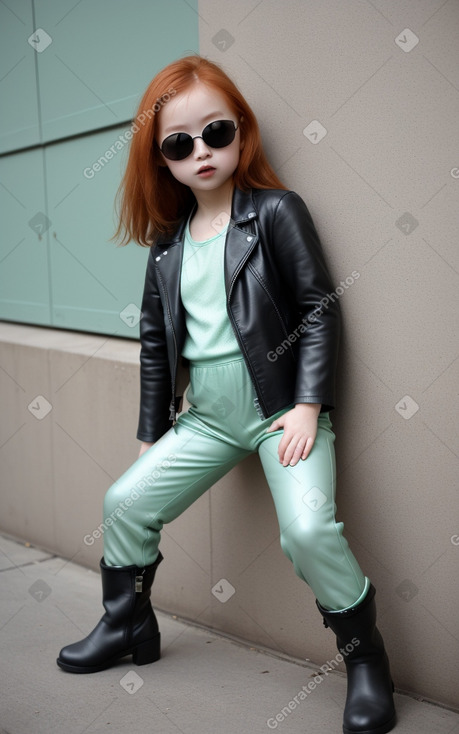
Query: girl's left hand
{"points": [[300, 430]]}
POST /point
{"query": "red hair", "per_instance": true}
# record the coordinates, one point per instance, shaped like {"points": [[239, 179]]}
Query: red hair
{"points": [[150, 200]]}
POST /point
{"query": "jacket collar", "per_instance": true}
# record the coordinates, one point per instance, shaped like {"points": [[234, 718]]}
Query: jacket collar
{"points": [[242, 210], [240, 241]]}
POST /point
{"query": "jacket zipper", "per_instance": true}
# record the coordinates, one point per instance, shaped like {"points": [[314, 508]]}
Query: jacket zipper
{"points": [[260, 280], [256, 400], [172, 404], [260, 409], [139, 582]]}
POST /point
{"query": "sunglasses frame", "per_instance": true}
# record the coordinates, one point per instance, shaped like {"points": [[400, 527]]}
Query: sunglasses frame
{"points": [[235, 128]]}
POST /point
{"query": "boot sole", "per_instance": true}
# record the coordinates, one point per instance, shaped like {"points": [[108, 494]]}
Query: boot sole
{"points": [[142, 654], [383, 729]]}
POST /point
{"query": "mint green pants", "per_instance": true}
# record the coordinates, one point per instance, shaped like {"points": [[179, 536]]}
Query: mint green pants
{"points": [[221, 428]]}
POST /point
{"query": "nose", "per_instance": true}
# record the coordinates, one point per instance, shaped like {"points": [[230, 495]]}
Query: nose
{"points": [[201, 150]]}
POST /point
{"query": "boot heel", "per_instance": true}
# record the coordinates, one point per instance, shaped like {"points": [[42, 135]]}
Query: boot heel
{"points": [[147, 652]]}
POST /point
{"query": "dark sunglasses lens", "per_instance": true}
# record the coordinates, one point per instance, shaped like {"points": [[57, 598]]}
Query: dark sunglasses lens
{"points": [[177, 146], [219, 134]]}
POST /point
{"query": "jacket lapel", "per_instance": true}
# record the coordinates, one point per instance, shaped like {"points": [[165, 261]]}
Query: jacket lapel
{"points": [[168, 260], [241, 238]]}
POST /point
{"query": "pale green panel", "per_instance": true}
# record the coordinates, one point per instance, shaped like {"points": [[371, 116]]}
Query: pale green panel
{"points": [[19, 125], [93, 280], [102, 55], [24, 277]]}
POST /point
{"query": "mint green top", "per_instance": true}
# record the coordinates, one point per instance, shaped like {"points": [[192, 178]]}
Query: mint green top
{"points": [[210, 336]]}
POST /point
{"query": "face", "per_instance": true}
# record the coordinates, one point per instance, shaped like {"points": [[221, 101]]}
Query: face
{"points": [[189, 112]]}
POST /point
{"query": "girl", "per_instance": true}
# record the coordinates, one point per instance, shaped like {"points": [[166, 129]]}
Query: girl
{"points": [[237, 290]]}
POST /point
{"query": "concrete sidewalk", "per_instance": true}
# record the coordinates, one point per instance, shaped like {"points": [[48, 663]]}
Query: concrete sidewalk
{"points": [[204, 683]]}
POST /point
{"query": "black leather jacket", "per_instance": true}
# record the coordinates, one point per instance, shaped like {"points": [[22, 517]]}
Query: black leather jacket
{"points": [[280, 301]]}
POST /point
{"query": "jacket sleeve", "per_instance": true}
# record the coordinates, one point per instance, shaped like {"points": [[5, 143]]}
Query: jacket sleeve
{"points": [[300, 258], [155, 380]]}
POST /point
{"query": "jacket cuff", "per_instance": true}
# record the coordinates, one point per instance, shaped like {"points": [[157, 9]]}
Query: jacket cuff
{"points": [[153, 437], [327, 402], [144, 437]]}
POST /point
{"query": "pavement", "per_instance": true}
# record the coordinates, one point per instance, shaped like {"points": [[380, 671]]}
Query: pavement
{"points": [[204, 683]]}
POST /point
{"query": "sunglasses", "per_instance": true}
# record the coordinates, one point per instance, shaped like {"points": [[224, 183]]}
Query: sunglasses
{"points": [[216, 134]]}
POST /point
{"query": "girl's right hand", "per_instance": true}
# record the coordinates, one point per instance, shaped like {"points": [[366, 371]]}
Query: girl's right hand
{"points": [[144, 447]]}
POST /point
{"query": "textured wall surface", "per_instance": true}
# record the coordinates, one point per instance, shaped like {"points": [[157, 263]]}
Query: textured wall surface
{"points": [[358, 103]]}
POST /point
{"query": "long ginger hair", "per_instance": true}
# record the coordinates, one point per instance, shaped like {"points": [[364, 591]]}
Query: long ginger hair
{"points": [[150, 201]]}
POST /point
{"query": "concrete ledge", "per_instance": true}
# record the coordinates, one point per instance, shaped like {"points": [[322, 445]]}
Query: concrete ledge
{"points": [[72, 342]]}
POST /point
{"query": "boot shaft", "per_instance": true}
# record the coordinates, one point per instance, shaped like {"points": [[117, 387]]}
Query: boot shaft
{"points": [[355, 629], [126, 590]]}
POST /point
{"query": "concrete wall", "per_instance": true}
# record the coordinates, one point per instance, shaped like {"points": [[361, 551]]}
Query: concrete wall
{"points": [[381, 184]]}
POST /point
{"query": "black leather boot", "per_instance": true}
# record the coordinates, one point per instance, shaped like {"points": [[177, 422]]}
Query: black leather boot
{"points": [[129, 625], [369, 703]]}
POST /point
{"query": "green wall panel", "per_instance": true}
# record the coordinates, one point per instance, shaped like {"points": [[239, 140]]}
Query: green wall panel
{"points": [[24, 261], [19, 119], [93, 280], [103, 55], [73, 75]]}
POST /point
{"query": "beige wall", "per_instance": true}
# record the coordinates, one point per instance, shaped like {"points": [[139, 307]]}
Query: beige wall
{"points": [[390, 153], [390, 148]]}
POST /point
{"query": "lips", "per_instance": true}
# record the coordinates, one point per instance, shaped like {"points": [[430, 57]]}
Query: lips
{"points": [[206, 169]]}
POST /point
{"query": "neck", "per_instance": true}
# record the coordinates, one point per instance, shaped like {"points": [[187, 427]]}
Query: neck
{"points": [[211, 203]]}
